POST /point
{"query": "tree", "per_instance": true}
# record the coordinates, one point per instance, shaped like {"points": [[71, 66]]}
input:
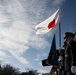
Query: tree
{"points": [[9, 70], [30, 72]]}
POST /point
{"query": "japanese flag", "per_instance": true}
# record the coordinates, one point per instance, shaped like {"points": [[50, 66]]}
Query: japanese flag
{"points": [[48, 24]]}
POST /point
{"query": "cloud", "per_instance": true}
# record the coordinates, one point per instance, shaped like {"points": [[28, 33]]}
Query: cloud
{"points": [[14, 37], [3, 18], [21, 59], [42, 54], [43, 71], [58, 2], [3, 57], [2, 54]]}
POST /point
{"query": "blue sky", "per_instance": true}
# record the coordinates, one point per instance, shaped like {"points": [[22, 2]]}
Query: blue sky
{"points": [[19, 45]]}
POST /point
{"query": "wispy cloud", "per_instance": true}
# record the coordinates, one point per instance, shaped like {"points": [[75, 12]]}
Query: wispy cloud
{"points": [[43, 71], [2, 54], [3, 18], [40, 55], [21, 59], [3, 57], [58, 2], [14, 37]]}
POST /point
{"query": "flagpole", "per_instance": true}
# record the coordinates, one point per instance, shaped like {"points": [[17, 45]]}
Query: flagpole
{"points": [[59, 35]]}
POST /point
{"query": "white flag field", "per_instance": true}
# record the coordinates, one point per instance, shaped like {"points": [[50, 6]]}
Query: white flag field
{"points": [[48, 24]]}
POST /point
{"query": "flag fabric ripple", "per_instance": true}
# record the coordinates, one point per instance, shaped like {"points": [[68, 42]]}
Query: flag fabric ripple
{"points": [[48, 24]]}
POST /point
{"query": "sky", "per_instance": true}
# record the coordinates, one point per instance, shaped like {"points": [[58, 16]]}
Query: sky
{"points": [[20, 46]]}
